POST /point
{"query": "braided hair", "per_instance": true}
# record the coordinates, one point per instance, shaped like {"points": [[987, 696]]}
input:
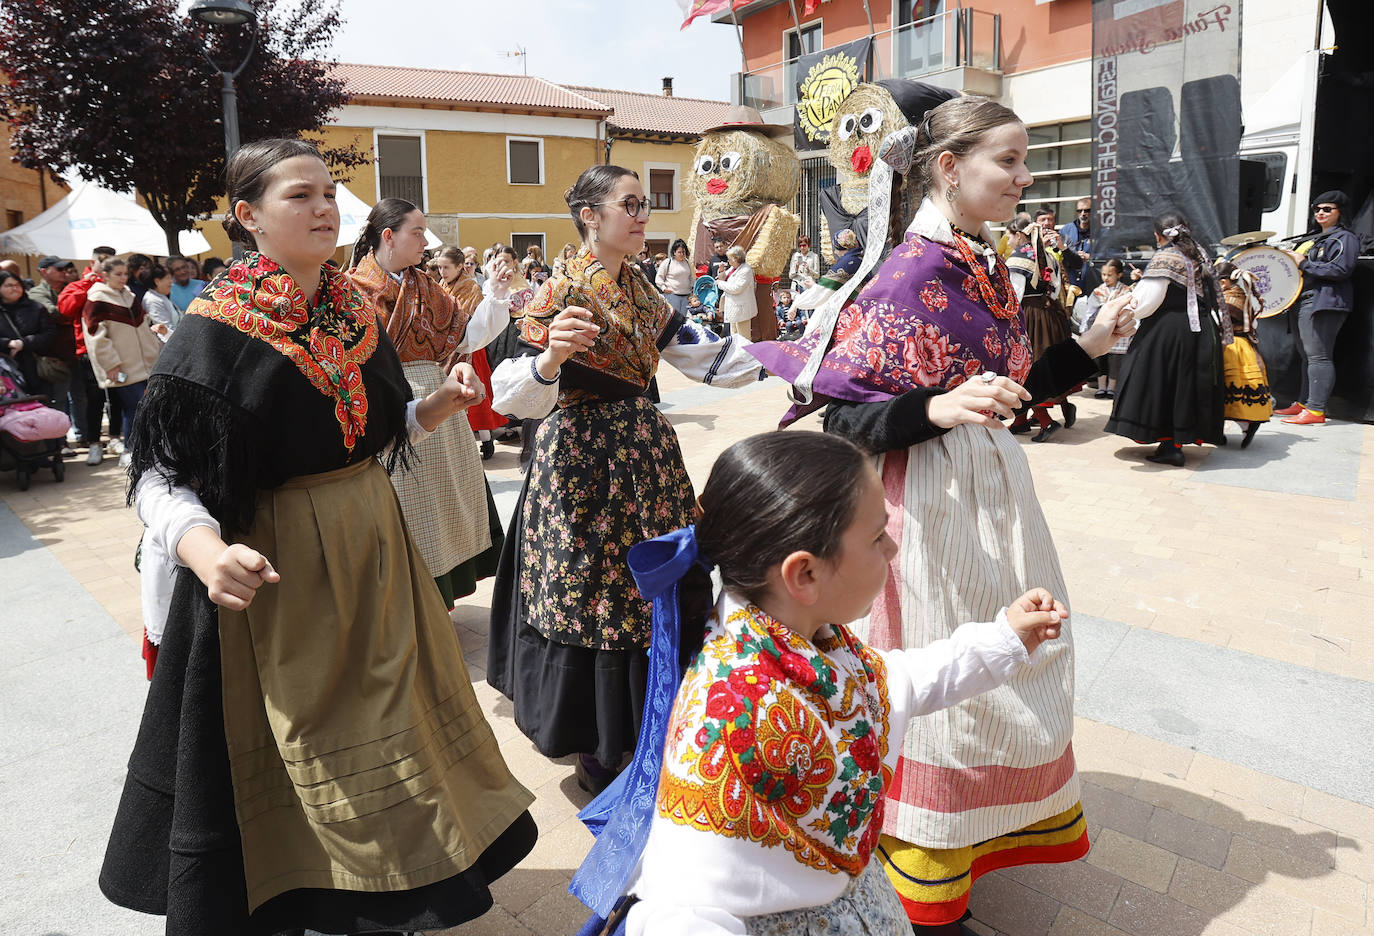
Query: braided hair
{"points": [[1173, 227]]}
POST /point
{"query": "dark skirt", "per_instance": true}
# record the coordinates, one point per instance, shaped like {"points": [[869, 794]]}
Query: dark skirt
{"points": [[574, 692], [175, 850], [1046, 324], [1171, 386]]}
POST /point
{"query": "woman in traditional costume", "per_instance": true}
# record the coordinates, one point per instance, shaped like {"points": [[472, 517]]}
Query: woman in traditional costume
{"points": [[1248, 400], [757, 806], [444, 496], [1171, 388], [924, 363], [457, 279], [311, 753], [568, 626], [1039, 280]]}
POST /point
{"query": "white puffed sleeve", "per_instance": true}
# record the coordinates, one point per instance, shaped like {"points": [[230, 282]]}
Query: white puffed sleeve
{"points": [[704, 356], [517, 390], [977, 657], [488, 321], [1148, 296], [168, 511]]}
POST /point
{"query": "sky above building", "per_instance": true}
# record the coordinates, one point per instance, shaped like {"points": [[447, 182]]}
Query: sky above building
{"points": [[584, 42]]}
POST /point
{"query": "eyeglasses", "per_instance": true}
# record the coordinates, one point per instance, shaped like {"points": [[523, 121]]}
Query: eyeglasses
{"points": [[634, 207], [1324, 209]]}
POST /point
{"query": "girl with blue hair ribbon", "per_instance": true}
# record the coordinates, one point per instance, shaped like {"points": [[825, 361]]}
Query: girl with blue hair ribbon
{"points": [[756, 795]]}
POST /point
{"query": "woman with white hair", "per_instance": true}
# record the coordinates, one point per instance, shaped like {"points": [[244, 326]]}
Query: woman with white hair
{"points": [[737, 291]]}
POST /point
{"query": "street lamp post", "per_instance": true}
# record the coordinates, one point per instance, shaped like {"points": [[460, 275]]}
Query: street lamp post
{"points": [[228, 13]]}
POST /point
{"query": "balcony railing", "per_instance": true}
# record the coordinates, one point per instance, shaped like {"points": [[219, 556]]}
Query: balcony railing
{"points": [[411, 188], [957, 38]]}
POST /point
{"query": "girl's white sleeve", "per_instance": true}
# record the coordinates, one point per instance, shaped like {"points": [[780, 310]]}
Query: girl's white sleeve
{"points": [[168, 511], [704, 356], [517, 391], [488, 321], [1148, 296], [977, 657]]}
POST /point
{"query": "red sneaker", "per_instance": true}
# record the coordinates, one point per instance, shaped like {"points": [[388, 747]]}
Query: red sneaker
{"points": [[1292, 410], [1306, 418]]}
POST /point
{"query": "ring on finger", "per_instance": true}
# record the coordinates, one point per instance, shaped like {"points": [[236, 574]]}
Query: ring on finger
{"points": [[987, 376]]}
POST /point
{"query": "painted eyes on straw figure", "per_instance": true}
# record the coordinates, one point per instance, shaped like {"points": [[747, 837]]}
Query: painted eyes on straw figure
{"points": [[868, 121]]}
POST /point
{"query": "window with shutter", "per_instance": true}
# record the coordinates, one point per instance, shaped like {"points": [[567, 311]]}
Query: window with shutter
{"points": [[400, 170], [661, 189], [525, 161]]}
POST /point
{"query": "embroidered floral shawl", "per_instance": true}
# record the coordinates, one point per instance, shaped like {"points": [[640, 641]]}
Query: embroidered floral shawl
{"points": [[424, 321], [630, 311], [328, 342], [466, 290], [780, 741], [940, 309]]}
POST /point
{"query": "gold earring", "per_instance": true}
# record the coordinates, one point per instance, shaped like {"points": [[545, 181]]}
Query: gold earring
{"points": [[952, 193]]}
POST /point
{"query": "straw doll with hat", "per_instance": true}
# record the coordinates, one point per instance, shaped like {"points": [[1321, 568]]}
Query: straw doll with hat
{"points": [[743, 178]]}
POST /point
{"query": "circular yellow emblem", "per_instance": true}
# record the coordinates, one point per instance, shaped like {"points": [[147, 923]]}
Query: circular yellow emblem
{"points": [[822, 92]]}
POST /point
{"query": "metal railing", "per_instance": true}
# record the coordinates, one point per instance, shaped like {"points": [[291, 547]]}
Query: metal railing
{"points": [[957, 38], [411, 188]]}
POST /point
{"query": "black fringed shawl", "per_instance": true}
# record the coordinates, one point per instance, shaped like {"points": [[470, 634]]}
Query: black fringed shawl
{"points": [[255, 387]]}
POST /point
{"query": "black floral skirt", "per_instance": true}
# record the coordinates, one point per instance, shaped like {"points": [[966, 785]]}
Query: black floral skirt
{"points": [[569, 629]]}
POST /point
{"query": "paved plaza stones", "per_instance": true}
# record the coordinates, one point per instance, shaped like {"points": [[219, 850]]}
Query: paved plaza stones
{"points": [[1225, 687]]}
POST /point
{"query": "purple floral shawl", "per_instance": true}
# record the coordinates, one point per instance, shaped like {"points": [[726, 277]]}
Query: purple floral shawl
{"points": [[933, 316]]}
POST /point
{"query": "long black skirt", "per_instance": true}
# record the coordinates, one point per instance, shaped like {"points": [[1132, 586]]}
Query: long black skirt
{"points": [[1172, 384], [175, 850], [571, 698]]}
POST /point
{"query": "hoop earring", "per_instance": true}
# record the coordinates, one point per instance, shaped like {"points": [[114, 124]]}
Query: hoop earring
{"points": [[952, 193]]}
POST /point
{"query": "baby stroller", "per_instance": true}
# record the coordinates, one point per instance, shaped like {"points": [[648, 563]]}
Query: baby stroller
{"points": [[31, 434], [707, 294]]}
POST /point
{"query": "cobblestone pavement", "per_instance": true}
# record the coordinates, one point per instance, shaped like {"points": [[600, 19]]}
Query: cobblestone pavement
{"points": [[1225, 659]]}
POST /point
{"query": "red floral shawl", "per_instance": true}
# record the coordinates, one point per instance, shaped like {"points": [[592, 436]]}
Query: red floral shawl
{"points": [[328, 342]]}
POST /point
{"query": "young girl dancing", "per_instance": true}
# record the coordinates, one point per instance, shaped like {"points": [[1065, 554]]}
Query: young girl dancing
{"points": [[756, 805]]}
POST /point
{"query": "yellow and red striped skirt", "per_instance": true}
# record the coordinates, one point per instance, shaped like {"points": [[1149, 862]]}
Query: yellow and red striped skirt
{"points": [[933, 883]]}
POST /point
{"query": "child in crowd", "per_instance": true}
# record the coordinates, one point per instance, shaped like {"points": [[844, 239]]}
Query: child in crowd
{"points": [[756, 807], [1113, 285], [791, 323]]}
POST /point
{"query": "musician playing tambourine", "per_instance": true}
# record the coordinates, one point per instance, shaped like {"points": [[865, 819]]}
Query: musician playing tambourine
{"points": [[1327, 264]]}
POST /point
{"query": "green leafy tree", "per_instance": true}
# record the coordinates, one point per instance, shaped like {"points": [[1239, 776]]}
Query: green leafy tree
{"points": [[122, 93]]}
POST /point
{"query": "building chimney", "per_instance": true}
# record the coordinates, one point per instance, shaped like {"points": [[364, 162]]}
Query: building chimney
{"points": [[667, 87]]}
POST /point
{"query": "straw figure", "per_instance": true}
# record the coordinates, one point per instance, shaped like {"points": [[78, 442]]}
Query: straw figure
{"points": [[744, 177]]}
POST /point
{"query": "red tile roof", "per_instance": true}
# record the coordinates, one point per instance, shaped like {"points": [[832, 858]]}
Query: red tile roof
{"points": [[656, 113], [455, 87]]}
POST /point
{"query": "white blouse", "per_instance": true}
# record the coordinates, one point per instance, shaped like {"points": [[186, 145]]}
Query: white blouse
{"points": [[693, 882], [695, 351]]}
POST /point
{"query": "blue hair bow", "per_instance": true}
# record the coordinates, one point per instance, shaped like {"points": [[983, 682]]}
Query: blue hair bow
{"points": [[620, 816]]}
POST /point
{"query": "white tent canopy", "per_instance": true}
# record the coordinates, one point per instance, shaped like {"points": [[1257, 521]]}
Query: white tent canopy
{"points": [[353, 213], [91, 216]]}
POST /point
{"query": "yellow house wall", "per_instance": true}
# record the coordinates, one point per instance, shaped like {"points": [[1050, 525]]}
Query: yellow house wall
{"points": [[23, 190], [640, 157], [470, 201]]}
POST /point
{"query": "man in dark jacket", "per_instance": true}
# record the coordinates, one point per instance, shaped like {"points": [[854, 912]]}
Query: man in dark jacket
{"points": [[1327, 267]]}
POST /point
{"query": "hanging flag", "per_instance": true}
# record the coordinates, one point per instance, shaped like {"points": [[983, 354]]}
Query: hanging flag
{"points": [[694, 8], [811, 6], [824, 80]]}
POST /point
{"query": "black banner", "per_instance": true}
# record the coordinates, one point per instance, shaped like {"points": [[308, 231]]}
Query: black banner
{"points": [[824, 80], [1166, 119]]}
